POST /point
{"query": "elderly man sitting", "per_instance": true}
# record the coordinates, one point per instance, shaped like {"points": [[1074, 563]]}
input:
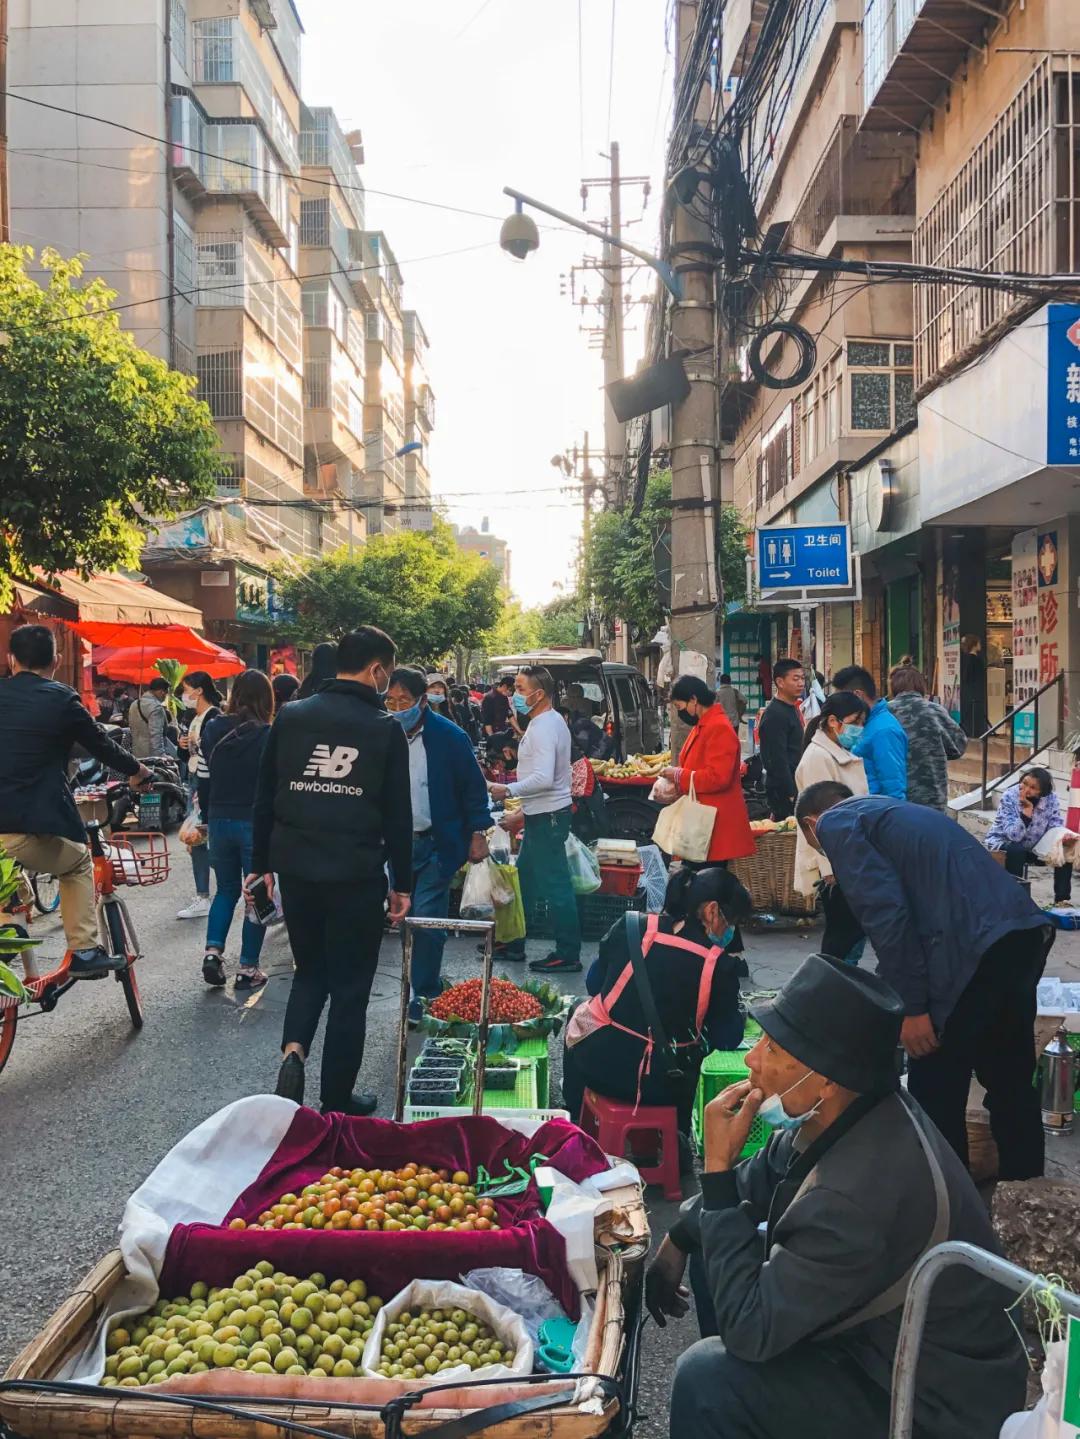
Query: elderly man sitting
{"points": [[801, 1255]]}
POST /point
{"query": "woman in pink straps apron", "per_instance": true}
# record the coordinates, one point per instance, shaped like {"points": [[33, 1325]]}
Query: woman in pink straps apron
{"points": [[664, 993]]}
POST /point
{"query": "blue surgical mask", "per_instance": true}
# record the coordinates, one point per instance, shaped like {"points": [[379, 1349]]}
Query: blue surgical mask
{"points": [[521, 704], [410, 718], [723, 940], [435, 698], [849, 736], [772, 1110]]}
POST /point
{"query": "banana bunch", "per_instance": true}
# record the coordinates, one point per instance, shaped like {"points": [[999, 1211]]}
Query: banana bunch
{"points": [[638, 766]]}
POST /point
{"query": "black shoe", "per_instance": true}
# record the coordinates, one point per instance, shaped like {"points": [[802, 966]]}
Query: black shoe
{"points": [[553, 964], [290, 1080], [94, 963], [360, 1104], [513, 953], [213, 970]]}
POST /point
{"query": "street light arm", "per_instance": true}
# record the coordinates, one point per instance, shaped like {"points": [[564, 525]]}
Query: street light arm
{"points": [[671, 281]]}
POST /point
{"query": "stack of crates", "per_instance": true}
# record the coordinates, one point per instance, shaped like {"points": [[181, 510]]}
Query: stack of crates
{"points": [[721, 1068]]}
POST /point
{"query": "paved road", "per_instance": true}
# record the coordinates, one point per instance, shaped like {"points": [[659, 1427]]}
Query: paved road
{"points": [[88, 1107]]}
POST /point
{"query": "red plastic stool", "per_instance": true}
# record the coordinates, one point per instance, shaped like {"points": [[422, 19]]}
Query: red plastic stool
{"points": [[611, 1123]]}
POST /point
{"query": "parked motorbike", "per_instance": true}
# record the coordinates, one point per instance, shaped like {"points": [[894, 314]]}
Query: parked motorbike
{"points": [[158, 808]]}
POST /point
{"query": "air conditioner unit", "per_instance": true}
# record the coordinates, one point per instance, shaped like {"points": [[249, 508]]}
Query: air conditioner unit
{"points": [[263, 11]]}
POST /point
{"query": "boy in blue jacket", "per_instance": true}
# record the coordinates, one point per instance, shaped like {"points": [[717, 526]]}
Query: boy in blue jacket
{"points": [[883, 744]]}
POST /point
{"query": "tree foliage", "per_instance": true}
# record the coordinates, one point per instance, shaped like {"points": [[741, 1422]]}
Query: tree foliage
{"points": [[420, 588], [627, 554], [96, 434]]}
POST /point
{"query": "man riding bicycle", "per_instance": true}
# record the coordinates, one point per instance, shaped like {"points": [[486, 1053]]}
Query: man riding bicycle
{"points": [[40, 722]]}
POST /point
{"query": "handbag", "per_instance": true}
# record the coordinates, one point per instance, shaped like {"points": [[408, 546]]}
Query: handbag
{"points": [[685, 827]]}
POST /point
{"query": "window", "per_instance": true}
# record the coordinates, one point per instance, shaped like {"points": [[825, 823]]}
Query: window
{"points": [[221, 383], [774, 464], [178, 33], [624, 692], [881, 383], [819, 411]]}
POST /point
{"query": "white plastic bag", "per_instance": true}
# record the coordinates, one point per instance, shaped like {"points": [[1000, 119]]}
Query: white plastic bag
{"points": [[663, 791], [654, 876], [499, 845], [525, 1294], [441, 1294], [584, 866], [685, 827], [476, 897], [1044, 1421], [573, 1210]]}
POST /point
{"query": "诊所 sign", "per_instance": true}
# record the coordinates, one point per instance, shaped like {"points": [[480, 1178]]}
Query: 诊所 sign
{"points": [[804, 557]]}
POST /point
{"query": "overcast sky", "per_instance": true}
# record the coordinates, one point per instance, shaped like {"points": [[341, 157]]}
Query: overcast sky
{"points": [[457, 98]]}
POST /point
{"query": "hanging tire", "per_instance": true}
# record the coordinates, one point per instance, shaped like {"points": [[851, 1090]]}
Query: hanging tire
{"points": [[8, 1020], [119, 944], [628, 817]]}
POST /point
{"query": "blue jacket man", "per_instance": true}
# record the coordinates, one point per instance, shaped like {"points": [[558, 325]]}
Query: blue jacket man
{"points": [[963, 946], [450, 817], [883, 744]]}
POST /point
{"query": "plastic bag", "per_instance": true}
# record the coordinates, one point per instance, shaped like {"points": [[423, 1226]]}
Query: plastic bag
{"points": [[1044, 1421], [663, 792], [192, 831], [654, 876], [528, 1296], [441, 1294], [584, 866], [476, 897], [510, 918], [499, 845]]}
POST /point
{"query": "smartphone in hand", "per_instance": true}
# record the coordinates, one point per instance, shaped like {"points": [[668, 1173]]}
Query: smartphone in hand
{"points": [[262, 906]]}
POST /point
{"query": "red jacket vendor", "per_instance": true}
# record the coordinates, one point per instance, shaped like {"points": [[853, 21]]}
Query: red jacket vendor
{"points": [[712, 759]]}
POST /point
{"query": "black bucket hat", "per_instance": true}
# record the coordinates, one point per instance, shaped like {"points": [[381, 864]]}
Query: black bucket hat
{"points": [[838, 1020]]}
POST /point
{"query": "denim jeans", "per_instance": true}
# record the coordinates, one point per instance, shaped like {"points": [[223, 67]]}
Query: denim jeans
{"points": [[430, 900], [200, 855], [230, 855]]}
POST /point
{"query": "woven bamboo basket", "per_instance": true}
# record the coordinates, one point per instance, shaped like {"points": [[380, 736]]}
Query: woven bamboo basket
{"points": [[768, 875], [101, 1414]]}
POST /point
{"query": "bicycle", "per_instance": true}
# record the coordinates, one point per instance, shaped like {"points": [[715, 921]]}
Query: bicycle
{"points": [[126, 860], [45, 889]]}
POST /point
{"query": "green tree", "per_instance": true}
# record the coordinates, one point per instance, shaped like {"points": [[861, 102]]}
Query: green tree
{"points": [[95, 433], [420, 588], [628, 554], [559, 619]]}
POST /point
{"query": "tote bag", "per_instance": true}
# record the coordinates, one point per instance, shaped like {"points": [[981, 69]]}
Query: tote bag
{"points": [[685, 827]]}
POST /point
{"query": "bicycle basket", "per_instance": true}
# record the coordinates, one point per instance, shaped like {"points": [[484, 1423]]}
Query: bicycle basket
{"points": [[139, 859]]}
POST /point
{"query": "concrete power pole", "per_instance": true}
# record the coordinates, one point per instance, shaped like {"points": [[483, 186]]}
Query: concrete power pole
{"points": [[694, 448], [614, 429]]}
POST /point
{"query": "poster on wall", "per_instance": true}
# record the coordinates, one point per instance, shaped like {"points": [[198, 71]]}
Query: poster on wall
{"points": [[950, 642], [1026, 578]]}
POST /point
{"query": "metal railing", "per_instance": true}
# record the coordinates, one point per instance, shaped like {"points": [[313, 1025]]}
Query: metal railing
{"points": [[1032, 703], [917, 1304]]}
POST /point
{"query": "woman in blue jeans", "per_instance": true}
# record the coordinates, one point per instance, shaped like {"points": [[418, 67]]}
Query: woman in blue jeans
{"points": [[232, 747]]}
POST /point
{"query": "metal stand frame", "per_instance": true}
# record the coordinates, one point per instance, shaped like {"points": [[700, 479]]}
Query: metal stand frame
{"points": [[409, 926], [927, 1271]]}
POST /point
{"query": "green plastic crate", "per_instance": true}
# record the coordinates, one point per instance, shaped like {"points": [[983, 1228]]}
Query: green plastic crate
{"points": [[719, 1069], [538, 1049]]}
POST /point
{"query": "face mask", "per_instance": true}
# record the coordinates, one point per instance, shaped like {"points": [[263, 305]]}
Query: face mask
{"points": [[686, 717], [773, 1112], [849, 736], [189, 704], [380, 689], [521, 704], [435, 698], [410, 718], [723, 940]]}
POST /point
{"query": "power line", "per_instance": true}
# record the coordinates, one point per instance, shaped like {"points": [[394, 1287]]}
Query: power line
{"points": [[248, 165]]}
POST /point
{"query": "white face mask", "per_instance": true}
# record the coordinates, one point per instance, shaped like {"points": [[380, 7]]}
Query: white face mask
{"points": [[772, 1110]]}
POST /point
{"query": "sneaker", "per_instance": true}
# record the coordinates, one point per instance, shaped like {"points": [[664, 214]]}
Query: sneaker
{"points": [[250, 977], [290, 1080], [553, 964], [360, 1104], [93, 963], [415, 1013], [213, 969], [199, 908]]}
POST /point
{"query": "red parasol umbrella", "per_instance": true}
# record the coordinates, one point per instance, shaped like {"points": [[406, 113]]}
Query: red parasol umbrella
{"points": [[137, 665]]}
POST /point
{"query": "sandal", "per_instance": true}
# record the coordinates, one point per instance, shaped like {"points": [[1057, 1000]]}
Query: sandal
{"points": [[213, 969], [250, 978]]}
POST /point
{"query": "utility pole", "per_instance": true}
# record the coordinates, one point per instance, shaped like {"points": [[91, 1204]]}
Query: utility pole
{"points": [[576, 465], [5, 190], [614, 429], [694, 447]]}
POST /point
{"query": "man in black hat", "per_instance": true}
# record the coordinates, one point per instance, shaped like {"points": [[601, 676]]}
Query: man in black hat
{"points": [[801, 1255]]}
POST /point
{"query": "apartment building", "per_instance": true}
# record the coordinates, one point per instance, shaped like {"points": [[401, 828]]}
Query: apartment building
{"points": [[419, 423], [229, 216], [489, 547]]}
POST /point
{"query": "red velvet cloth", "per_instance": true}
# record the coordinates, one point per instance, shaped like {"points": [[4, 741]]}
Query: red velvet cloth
{"points": [[387, 1262]]}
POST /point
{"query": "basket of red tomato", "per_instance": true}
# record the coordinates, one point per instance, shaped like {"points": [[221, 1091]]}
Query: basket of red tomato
{"points": [[527, 1010]]}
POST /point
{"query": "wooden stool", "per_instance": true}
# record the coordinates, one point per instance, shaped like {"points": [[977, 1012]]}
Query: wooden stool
{"points": [[611, 1123]]}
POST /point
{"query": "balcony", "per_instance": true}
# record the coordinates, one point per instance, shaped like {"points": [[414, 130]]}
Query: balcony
{"points": [[325, 309], [384, 472], [859, 174], [232, 270], [1014, 205], [238, 386], [240, 162], [323, 147], [424, 408], [333, 402], [912, 49], [223, 54]]}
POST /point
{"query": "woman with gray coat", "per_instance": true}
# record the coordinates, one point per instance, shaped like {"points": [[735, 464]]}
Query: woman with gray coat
{"points": [[934, 737]]}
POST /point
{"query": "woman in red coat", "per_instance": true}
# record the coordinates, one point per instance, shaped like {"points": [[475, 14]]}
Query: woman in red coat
{"points": [[712, 758]]}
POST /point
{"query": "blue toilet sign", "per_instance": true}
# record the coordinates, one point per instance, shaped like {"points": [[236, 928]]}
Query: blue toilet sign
{"points": [[804, 557]]}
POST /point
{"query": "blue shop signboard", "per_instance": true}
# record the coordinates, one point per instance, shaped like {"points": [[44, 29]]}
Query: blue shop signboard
{"points": [[1063, 384], [804, 557]]}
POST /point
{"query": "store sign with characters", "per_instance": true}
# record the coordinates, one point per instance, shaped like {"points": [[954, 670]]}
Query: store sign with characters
{"points": [[1063, 384]]}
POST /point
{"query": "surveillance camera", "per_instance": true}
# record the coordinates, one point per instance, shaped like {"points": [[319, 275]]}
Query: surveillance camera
{"points": [[519, 235]]}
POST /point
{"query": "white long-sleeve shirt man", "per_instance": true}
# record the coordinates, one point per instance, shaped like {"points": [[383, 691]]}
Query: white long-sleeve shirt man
{"points": [[543, 782]]}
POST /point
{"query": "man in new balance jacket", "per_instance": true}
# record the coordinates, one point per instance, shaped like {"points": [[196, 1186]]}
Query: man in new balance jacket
{"points": [[333, 805]]}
